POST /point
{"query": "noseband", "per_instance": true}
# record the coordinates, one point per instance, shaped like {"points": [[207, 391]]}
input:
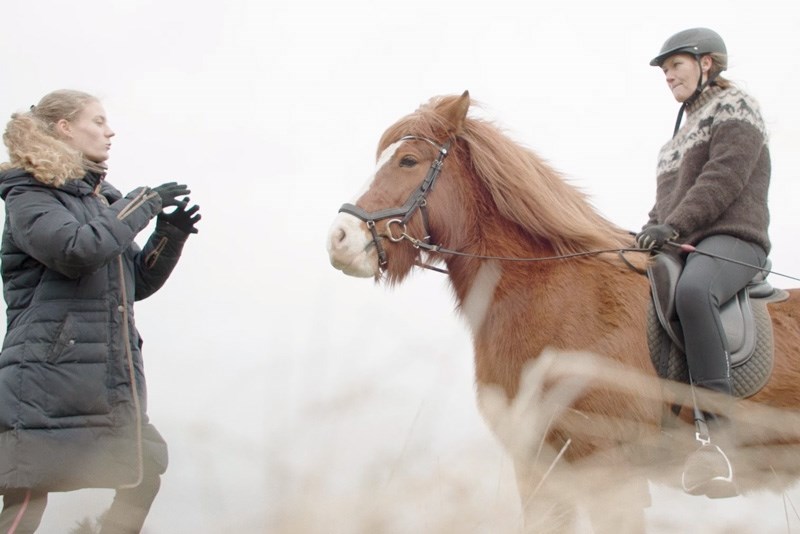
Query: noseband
{"points": [[401, 216]]}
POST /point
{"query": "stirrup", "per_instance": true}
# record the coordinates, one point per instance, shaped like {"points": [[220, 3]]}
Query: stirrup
{"points": [[715, 485]]}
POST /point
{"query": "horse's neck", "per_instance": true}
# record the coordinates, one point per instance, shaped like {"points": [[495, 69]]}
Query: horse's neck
{"points": [[529, 272], [473, 272], [571, 291], [517, 312]]}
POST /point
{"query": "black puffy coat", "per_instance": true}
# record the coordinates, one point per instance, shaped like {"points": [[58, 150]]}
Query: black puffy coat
{"points": [[73, 408]]}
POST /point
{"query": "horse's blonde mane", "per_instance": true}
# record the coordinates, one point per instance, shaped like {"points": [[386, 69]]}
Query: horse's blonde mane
{"points": [[525, 189]]}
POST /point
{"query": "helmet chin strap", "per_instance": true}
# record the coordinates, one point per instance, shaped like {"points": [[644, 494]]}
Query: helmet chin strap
{"points": [[689, 101]]}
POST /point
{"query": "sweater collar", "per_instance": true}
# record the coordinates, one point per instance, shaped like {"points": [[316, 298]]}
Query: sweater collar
{"points": [[704, 98]]}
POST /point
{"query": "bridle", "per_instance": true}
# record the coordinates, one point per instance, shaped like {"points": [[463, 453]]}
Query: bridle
{"points": [[417, 200]]}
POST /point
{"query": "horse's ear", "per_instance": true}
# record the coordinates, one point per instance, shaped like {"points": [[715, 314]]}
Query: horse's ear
{"points": [[455, 112]]}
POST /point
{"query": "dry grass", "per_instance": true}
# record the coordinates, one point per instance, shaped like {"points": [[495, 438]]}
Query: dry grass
{"points": [[472, 490]]}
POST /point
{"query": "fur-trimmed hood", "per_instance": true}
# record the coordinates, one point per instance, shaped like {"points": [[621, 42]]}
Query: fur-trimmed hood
{"points": [[12, 178]]}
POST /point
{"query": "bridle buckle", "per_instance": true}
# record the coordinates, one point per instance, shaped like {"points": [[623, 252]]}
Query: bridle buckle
{"points": [[390, 235]]}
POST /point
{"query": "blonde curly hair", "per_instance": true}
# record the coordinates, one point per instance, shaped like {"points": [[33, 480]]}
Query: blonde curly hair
{"points": [[34, 145]]}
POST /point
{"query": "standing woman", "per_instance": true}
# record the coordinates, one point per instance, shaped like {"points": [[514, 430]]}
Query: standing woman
{"points": [[713, 178], [73, 407]]}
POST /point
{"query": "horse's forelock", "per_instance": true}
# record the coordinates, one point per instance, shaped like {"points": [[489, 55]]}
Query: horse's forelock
{"points": [[424, 122]]}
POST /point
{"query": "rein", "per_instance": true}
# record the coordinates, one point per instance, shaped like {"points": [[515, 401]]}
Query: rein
{"points": [[418, 243], [621, 251]]}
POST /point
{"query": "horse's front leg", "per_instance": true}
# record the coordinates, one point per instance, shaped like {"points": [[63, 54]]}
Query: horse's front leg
{"points": [[619, 508], [614, 496], [546, 506]]}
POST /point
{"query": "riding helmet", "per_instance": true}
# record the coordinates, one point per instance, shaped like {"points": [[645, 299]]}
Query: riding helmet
{"points": [[696, 41]]}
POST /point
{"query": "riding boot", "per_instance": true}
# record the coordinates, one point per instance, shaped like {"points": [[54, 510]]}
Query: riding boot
{"points": [[708, 471]]}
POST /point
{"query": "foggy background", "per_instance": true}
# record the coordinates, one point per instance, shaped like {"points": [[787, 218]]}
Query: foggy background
{"points": [[294, 398]]}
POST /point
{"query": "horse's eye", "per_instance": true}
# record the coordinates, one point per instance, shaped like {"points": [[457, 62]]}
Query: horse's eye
{"points": [[408, 161]]}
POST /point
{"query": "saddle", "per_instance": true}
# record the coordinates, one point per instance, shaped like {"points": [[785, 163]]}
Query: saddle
{"points": [[745, 321]]}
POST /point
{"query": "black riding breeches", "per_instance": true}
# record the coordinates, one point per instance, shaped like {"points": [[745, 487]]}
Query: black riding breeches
{"points": [[705, 284]]}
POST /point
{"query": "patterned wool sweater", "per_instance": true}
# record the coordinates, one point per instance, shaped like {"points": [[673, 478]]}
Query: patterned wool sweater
{"points": [[713, 176]]}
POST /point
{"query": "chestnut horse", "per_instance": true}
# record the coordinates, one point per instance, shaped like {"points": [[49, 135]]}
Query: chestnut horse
{"points": [[535, 276]]}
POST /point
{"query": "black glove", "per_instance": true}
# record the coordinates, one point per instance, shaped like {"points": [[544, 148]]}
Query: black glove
{"points": [[170, 192], [181, 218], [653, 237]]}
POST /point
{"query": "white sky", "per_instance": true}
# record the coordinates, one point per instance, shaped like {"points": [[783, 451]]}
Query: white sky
{"points": [[271, 112]]}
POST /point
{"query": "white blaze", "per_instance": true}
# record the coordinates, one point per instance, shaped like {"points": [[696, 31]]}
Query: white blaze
{"points": [[383, 159], [349, 242]]}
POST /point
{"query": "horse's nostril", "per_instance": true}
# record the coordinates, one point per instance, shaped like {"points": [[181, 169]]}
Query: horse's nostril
{"points": [[340, 235]]}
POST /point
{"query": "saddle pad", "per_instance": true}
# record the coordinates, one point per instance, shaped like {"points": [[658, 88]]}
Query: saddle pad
{"points": [[749, 376]]}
